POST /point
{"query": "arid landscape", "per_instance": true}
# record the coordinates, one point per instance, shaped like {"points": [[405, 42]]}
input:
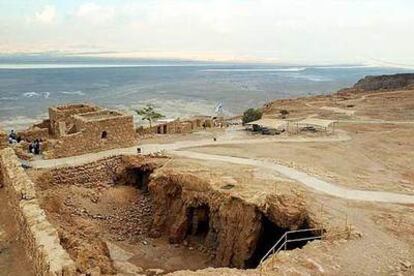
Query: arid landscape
{"points": [[189, 204], [207, 138]]}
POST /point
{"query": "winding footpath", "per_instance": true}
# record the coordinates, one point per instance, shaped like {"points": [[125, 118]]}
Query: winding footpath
{"points": [[306, 179], [177, 149]]}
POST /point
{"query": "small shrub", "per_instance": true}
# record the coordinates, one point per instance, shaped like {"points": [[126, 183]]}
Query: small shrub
{"points": [[251, 115]]}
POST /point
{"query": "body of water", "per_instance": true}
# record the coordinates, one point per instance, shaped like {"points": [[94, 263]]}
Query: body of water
{"points": [[177, 89]]}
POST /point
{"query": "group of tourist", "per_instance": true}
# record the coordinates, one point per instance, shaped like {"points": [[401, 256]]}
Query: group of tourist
{"points": [[34, 146]]}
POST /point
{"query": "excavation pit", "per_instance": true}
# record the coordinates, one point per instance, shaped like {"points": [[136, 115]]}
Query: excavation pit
{"points": [[103, 212], [128, 214]]}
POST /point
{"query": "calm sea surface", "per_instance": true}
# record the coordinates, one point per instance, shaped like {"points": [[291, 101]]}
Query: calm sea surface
{"points": [[177, 89]]}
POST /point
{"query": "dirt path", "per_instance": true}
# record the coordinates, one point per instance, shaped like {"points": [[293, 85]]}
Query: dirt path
{"points": [[153, 148], [307, 180], [338, 110], [376, 122]]}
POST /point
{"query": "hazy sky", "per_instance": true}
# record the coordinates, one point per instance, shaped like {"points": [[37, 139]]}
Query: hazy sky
{"points": [[293, 31]]}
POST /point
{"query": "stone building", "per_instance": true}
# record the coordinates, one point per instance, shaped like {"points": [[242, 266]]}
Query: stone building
{"points": [[61, 117], [83, 128], [177, 126]]}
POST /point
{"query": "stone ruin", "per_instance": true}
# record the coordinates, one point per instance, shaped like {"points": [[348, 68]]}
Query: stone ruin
{"points": [[177, 126], [81, 128], [71, 217]]}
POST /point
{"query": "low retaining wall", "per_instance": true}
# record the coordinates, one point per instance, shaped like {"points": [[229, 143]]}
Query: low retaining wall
{"points": [[39, 236], [99, 173]]}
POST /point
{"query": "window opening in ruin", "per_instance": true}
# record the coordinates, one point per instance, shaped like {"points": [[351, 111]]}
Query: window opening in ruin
{"points": [[104, 135], [269, 235], [165, 129], [198, 221], [159, 130]]}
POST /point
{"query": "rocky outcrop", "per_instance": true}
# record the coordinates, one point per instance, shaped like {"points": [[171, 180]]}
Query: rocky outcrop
{"points": [[385, 82], [234, 230]]}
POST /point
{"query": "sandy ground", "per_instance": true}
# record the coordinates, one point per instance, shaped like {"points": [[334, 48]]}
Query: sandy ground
{"points": [[356, 163]]}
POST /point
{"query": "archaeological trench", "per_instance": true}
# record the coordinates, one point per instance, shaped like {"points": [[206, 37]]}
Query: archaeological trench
{"points": [[131, 215]]}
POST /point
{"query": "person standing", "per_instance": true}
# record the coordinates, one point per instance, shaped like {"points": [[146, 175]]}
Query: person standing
{"points": [[37, 146], [12, 137]]}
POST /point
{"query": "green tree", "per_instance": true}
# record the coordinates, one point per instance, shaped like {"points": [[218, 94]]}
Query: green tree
{"points": [[251, 115], [148, 113]]}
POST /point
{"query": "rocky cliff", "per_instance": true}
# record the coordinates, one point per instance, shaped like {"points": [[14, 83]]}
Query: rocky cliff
{"points": [[237, 233], [385, 82]]}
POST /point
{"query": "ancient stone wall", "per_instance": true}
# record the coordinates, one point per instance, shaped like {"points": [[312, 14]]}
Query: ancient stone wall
{"points": [[108, 171], [39, 131], [175, 127], [34, 133], [144, 131], [100, 173], [63, 114], [40, 237], [95, 135]]}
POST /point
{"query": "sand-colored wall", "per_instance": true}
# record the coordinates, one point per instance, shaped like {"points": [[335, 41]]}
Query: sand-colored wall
{"points": [[99, 173], [40, 237], [120, 133], [175, 127], [64, 114], [34, 133]]}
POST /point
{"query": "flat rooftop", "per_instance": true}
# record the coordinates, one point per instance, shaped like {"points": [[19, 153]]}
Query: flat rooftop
{"points": [[74, 106], [100, 115]]}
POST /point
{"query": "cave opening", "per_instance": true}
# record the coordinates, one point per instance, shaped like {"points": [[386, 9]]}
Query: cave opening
{"points": [[198, 221], [139, 178], [270, 234]]}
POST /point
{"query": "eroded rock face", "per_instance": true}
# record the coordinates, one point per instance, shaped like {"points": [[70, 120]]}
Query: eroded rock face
{"points": [[185, 205], [385, 82], [286, 211]]}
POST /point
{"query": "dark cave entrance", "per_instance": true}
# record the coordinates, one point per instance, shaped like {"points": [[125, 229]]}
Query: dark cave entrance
{"points": [[269, 235], [139, 178], [198, 221]]}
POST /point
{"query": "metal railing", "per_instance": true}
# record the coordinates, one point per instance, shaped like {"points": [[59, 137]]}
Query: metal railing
{"points": [[284, 240]]}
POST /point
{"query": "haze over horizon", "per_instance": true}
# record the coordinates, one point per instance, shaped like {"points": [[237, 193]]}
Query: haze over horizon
{"points": [[280, 31]]}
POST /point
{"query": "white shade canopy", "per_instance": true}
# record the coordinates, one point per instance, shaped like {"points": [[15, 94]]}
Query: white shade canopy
{"points": [[317, 122], [269, 123]]}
